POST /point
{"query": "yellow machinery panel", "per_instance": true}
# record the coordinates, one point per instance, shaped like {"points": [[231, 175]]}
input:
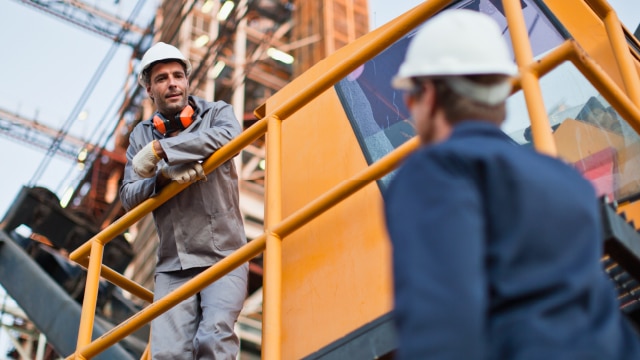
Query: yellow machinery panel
{"points": [[336, 270]]}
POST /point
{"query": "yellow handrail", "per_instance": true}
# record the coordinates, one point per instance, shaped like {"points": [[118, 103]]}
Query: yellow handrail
{"points": [[620, 47], [276, 229], [569, 50], [607, 87]]}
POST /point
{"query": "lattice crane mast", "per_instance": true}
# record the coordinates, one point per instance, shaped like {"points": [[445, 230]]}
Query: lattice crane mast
{"points": [[32, 132], [92, 19]]}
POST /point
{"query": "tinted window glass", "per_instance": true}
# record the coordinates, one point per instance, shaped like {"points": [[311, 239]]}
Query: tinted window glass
{"points": [[377, 112]]}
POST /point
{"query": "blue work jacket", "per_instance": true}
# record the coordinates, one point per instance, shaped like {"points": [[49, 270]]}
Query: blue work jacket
{"points": [[496, 255]]}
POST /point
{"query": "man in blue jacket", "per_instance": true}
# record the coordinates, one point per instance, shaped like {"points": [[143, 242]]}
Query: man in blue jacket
{"points": [[496, 248], [199, 226]]}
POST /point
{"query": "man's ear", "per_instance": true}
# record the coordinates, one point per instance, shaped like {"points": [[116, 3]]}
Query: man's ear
{"points": [[429, 96], [149, 93]]}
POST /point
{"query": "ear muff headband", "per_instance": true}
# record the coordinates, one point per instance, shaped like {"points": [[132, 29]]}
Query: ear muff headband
{"points": [[180, 122]]}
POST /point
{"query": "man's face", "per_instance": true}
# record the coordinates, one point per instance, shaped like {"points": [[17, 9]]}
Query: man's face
{"points": [[167, 87]]}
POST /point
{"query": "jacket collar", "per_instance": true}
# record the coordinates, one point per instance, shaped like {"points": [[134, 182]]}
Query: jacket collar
{"points": [[474, 128]]}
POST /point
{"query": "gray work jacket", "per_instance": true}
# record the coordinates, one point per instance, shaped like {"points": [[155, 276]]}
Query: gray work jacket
{"points": [[202, 224]]}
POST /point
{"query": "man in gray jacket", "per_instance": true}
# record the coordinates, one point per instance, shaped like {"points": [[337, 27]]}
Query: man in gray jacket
{"points": [[200, 225]]}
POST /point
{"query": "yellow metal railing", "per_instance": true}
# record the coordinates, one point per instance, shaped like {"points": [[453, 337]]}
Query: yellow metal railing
{"points": [[531, 72], [624, 102], [620, 47], [340, 64]]}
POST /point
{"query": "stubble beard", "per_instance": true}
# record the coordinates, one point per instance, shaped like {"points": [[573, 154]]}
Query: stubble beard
{"points": [[172, 108]]}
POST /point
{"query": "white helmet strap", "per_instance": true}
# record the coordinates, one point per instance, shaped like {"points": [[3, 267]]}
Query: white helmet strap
{"points": [[491, 95]]}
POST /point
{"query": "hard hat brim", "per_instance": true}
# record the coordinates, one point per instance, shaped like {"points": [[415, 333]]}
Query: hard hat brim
{"points": [[402, 83]]}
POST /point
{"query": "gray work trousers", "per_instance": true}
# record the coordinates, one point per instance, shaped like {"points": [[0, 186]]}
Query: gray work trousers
{"points": [[202, 326]]}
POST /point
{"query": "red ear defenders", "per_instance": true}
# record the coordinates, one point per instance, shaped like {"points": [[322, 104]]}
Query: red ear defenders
{"points": [[179, 122]]}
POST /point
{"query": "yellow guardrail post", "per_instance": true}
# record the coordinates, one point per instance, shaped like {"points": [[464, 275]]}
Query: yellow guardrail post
{"points": [[146, 355], [540, 127], [90, 296], [272, 288]]}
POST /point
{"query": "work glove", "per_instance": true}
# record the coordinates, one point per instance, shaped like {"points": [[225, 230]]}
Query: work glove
{"points": [[184, 173], [145, 161]]}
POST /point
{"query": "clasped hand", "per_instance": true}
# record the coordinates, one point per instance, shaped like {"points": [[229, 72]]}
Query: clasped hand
{"points": [[184, 173], [145, 161]]}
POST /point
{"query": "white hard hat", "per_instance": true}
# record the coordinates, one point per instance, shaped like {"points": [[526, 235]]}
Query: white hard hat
{"points": [[161, 51], [453, 43]]}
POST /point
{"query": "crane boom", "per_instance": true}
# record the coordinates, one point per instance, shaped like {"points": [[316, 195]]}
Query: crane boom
{"points": [[93, 19], [30, 131]]}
